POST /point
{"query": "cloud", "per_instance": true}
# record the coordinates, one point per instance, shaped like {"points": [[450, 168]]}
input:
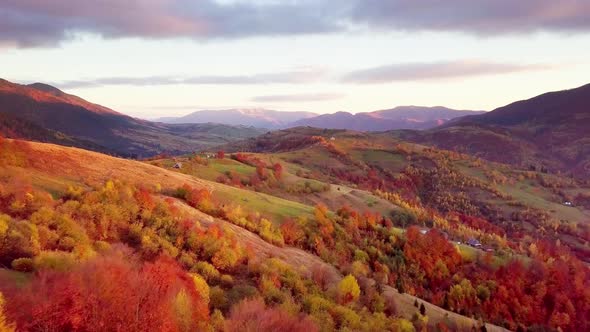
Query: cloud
{"points": [[434, 71], [297, 98], [288, 77], [33, 23], [30, 23], [481, 17]]}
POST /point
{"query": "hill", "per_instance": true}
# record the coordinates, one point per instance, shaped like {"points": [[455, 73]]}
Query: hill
{"points": [[365, 162], [403, 117], [256, 117], [497, 216], [77, 222], [42, 112], [548, 132]]}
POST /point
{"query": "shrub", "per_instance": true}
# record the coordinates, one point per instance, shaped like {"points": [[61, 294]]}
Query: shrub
{"points": [[227, 281], [315, 304], [218, 298], [402, 325], [201, 287], [225, 258], [208, 271], [23, 265], [345, 318], [54, 260]]}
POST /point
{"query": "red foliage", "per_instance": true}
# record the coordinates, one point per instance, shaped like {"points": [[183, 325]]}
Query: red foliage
{"points": [[252, 315], [261, 171], [241, 157], [292, 232], [325, 224], [429, 249], [144, 199], [220, 154], [249, 160], [195, 197], [277, 170], [106, 294], [481, 224]]}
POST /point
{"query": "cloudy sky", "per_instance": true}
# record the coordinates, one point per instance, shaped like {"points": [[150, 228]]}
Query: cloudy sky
{"points": [[151, 58]]}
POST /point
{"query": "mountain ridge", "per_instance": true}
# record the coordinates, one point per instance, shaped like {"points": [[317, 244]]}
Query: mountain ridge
{"points": [[256, 117], [55, 114], [400, 117], [548, 131]]}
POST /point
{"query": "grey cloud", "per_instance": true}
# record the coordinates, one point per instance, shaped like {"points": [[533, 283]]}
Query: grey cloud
{"points": [[434, 71], [482, 17], [297, 98], [31, 23]]}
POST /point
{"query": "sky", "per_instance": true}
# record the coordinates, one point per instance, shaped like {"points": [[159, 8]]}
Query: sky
{"points": [[153, 58]]}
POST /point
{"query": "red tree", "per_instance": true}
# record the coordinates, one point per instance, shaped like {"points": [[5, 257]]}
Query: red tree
{"points": [[108, 294], [277, 170], [252, 315]]}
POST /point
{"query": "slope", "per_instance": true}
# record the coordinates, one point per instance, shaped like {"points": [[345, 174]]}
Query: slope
{"points": [[516, 200], [494, 220], [548, 132], [57, 170], [47, 108]]}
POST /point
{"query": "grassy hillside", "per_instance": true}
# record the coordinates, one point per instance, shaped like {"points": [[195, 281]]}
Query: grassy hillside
{"points": [[73, 177], [251, 229], [513, 212]]}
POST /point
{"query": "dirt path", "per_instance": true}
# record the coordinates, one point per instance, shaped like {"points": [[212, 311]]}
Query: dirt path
{"points": [[303, 261]]}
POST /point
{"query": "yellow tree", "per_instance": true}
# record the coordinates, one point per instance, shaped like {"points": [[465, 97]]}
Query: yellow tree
{"points": [[348, 289]]}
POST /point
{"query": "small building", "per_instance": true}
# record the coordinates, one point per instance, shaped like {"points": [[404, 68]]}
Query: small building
{"points": [[568, 203], [178, 165], [332, 138], [423, 231], [474, 243]]}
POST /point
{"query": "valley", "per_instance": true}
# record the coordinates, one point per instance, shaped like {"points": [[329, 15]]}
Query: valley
{"points": [[335, 229], [294, 166]]}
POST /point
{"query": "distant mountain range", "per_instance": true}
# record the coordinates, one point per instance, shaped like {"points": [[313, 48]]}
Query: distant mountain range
{"points": [[403, 117], [44, 113], [255, 117], [550, 131]]}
